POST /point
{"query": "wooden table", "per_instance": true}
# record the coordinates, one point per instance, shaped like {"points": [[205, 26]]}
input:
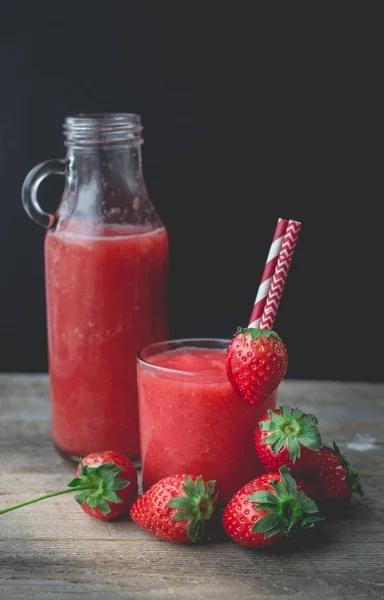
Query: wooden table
{"points": [[52, 550]]}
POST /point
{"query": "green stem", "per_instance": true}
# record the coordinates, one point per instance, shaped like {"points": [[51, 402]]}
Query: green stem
{"points": [[51, 495]]}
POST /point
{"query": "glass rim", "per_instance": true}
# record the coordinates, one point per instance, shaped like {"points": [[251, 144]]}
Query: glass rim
{"points": [[186, 342]]}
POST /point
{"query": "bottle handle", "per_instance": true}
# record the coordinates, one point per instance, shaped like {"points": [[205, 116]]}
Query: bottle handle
{"points": [[56, 166]]}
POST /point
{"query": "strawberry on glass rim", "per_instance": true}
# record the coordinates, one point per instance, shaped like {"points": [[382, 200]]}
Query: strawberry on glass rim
{"points": [[256, 362], [287, 436]]}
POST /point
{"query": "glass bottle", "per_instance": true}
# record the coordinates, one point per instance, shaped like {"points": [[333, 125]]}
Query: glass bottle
{"points": [[106, 268]]}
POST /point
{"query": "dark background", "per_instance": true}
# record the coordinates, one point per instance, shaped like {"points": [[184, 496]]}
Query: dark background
{"points": [[250, 114]]}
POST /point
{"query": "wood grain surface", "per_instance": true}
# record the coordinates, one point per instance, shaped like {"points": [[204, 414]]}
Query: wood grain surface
{"points": [[52, 550]]}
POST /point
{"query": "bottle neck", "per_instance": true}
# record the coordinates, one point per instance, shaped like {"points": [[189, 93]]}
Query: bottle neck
{"points": [[105, 163], [105, 183]]}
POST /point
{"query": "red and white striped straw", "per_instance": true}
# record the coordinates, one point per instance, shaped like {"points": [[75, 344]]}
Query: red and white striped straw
{"points": [[275, 274], [267, 277]]}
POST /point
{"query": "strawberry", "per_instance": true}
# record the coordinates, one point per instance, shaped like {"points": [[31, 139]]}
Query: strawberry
{"points": [[116, 479], [256, 362], [289, 437], [268, 508], [334, 480], [105, 486], [176, 508]]}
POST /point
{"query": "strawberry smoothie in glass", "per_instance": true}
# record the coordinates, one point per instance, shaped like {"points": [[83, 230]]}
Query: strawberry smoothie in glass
{"points": [[191, 419], [106, 263]]}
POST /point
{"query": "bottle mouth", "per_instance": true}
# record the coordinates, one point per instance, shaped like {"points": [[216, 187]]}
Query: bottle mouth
{"points": [[102, 128]]}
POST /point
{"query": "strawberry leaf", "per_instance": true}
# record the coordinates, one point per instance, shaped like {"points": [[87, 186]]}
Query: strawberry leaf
{"points": [[108, 475], [99, 486], [180, 502], [255, 333], [281, 492], [308, 420], [182, 515], [103, 506], [277, 445], [106, 467], [293, 448], [288, 481], [290, 428], [92, 501], [272, 532], [194, 529], [287, 509], [189, 487], [271, 508], [266, 523], [196, 507], [210, 488], [266, 497], [272, 438], [311, 439], [112, 496], [81, 498], [297, 414], [118, 484], [200, 485], [268, 425], [286, 412], [309, 506], [275, 418], [75, 482]]}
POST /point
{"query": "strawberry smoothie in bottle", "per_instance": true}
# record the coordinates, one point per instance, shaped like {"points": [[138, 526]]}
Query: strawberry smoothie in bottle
{"points": [[192, 420], [106, 261]]}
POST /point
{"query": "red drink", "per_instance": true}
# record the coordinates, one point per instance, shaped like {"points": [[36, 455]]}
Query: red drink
{"points": [[106, 299], [106, 258], [191, 420]]}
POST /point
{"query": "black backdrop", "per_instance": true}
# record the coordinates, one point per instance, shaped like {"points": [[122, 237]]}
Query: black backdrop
{"points": [[249, 114]]}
